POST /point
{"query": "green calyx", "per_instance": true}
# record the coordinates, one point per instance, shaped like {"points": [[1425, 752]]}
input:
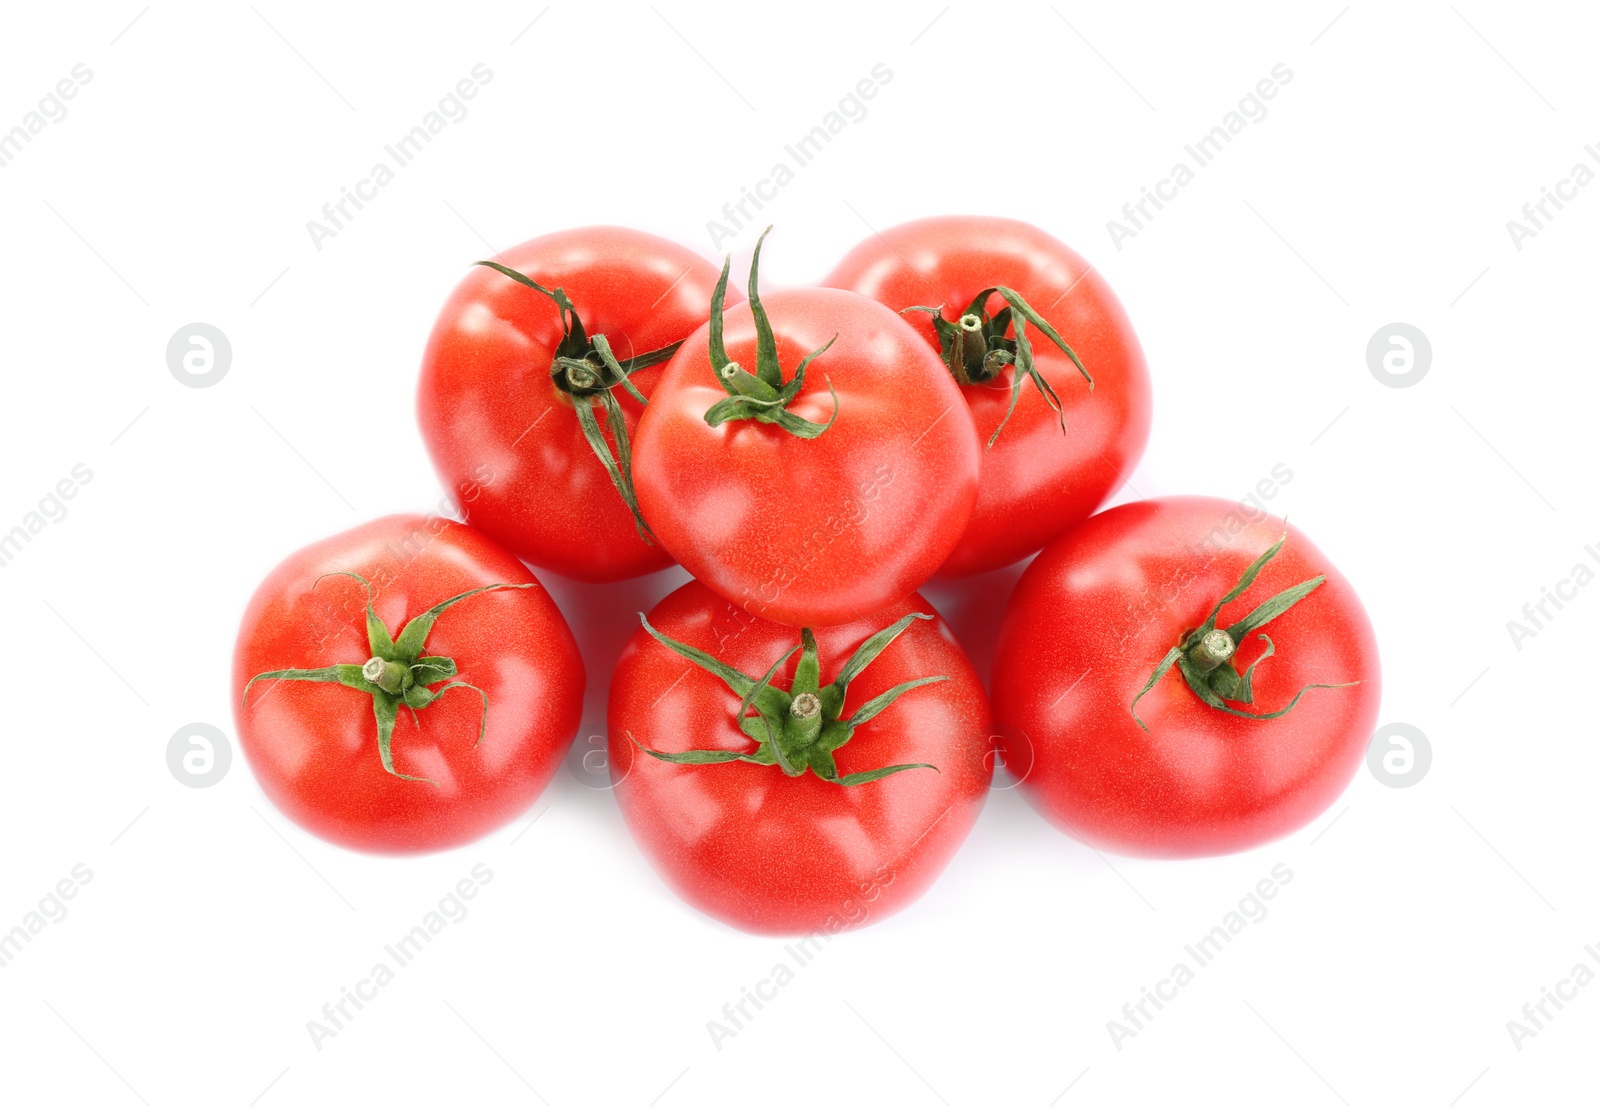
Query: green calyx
{"points": [[763, 396], [587, 371], [398, 672], [1205, 654], [798, 729], [975, 346]]}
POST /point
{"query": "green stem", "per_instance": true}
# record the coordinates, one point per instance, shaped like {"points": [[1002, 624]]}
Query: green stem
{"points": [[976, 347], [586, 370], [391, 676], [969, 349], [799, 728], [398, 670], [1203, 658], [1212, 650], [763, 396]]}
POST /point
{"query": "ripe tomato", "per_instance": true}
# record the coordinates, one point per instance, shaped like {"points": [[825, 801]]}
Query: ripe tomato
{"points": [[500, 416], [809, 504], [1101, 611], [463, 761], [1044, 469], [768, 852]]}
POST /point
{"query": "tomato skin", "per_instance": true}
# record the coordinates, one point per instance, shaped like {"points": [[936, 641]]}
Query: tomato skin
{"points": [[313, 746], [812, 532], [767, 853], [1092, 617], [504, 439], [1036, 481]]}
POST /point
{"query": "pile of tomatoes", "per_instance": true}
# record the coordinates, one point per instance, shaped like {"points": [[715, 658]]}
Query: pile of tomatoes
{"points": [[796, 739]]}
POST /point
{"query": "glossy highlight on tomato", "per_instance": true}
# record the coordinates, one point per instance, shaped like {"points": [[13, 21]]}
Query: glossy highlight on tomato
{"points": [[767, 852], [1044, 471], [1096, 614], [505, 439], [514, 674]]}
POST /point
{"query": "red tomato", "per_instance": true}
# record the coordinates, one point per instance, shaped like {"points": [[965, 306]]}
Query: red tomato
{"points": [[506, 439], [1038, 479], [1096, 614], [504, 653], [773, 853], [822, 530]]}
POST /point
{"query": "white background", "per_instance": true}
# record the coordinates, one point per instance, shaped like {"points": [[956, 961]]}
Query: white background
{"points": [[1377, 189]]}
